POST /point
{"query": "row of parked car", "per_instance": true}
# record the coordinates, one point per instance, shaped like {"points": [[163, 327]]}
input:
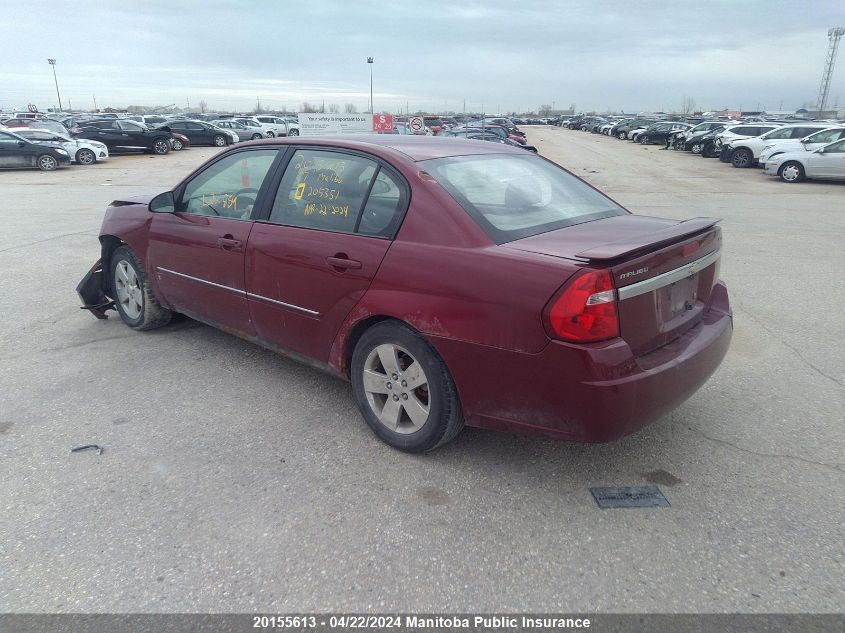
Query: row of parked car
{"points": [[790, 150], [28, 140]]}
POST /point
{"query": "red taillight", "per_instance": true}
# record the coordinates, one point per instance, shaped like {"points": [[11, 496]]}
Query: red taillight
{"points": [[585, 311]]}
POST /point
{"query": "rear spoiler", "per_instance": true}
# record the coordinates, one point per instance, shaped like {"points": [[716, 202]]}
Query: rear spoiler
{"points": [[629, 246]]}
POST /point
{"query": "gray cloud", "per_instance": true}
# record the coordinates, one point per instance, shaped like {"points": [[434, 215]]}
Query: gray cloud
{"points": [[508, 55]]}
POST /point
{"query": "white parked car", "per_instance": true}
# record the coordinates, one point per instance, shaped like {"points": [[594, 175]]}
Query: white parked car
{"points": [[274, 125], [255, 127], [81, 151], [741, 131], [634, 135], [806, 144], [826, 162], [746, 152]]}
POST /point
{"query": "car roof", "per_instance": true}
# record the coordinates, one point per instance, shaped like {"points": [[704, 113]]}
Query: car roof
{"points": [[413, 147]]}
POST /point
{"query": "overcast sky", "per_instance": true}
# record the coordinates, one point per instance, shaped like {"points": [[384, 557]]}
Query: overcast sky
{"points": [[429, 55]]}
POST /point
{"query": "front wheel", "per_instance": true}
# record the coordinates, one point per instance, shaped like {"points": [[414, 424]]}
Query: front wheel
{"points": [[256, 136], [791, 171], [695, 148], [271, 134], [643, 139], [622, 136], [161, 146], [85, 157], [47, 163], [293, 133], [177, 144], [137, 306], [741, 158], [404, 390], [219, 140], [709, 151]]}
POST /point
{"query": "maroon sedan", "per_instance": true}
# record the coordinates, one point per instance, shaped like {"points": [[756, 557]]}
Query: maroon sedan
{"points": [[450, 281]]}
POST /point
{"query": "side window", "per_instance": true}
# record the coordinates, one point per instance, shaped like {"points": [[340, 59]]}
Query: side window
{"points": [[786, 132], [194, 126], [8, 141], [384, 207], [836, 148], [228, 188], [801, 132], [323, 190]]}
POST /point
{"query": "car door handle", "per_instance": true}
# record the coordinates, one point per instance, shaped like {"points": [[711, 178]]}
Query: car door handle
{"points": [[229, 244], [343, 262]]}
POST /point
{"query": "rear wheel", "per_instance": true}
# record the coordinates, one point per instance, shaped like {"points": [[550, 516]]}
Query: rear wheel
{"points": [[219, 140], [791, 171], [404, 390], [695, 148], [256, 136], [85, 157], [133, 298], [271, 134], [46, 162], [709, 151], [161, 146], [177, 144], [293, 133], [741, 158], [622, 136]]}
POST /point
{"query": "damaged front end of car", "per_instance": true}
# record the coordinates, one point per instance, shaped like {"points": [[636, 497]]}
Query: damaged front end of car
{"points": [[92, 291]]}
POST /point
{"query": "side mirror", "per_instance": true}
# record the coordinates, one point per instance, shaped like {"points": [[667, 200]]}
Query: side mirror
{"points": [[163, 203], [819, 150], [21, 144]]}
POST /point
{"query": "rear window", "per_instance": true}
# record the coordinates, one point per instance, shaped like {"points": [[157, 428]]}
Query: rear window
{"points": [[512, 197]]}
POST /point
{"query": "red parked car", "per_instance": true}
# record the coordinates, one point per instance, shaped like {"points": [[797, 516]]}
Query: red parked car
{"points": [[450, 281]]}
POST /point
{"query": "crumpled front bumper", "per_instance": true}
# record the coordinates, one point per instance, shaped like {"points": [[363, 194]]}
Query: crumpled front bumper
{"points": [[92, 292]]}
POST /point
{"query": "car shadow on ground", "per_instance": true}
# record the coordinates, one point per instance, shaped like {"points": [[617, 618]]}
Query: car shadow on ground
{"points": [[642, 458]]}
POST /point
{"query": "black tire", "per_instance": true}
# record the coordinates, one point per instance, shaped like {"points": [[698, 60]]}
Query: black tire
{"points": [[46, 162], [256, 136], [152, 314], [219, 141], [695, 148], [622, 136], [709, 151], [271, 134], [177, 144], [161, 146], [85, 157], [445, 418], [643, 139], [293, 133], [742, 158], [799, 173]]}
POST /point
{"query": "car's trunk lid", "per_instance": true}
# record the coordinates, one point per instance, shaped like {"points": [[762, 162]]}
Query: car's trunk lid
{"points": [[664, 270]]}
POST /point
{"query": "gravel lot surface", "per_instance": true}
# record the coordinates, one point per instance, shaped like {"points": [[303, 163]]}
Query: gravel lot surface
{"points": [[236, 480]]}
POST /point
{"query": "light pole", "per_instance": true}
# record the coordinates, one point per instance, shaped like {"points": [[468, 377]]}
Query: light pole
{"points": [[52, 62], [370, 62]]}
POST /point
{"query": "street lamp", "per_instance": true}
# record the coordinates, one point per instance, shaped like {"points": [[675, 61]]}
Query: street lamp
{"points": [[52, 62], [370, 62]]}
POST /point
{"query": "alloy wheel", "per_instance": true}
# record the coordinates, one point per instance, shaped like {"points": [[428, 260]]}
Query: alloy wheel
{"points": [[47, 163], [85, 157], [129, 293], [396, 388]]}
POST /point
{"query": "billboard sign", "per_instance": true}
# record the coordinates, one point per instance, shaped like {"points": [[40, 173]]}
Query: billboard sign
{"points": [[332, 123]]}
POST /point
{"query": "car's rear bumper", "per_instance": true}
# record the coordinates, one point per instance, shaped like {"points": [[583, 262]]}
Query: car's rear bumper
{"points": [[589, 393]]}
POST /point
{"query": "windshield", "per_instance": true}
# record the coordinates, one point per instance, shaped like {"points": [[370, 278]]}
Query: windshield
{"points": [[512, 197]]}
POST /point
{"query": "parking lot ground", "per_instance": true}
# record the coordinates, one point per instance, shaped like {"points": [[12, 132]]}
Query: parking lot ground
{"points": [[234, 479]]}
